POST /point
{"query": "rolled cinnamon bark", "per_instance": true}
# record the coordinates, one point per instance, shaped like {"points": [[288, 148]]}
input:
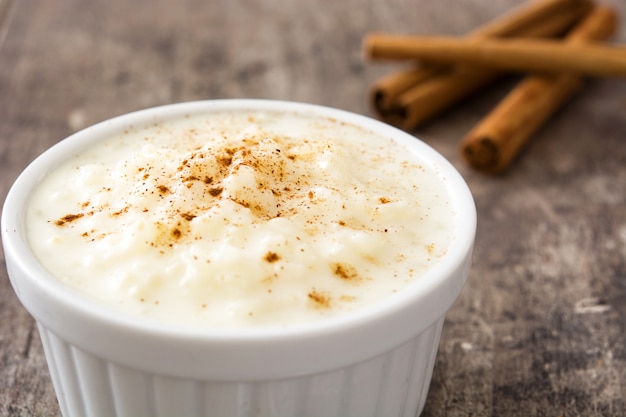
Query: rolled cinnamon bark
{"points": [[533, 18], [495, 141], [518, 55], [424, 100], [386, 90]]}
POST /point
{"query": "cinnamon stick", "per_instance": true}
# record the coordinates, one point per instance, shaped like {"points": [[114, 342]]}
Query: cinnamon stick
{"points": [[547, 17], [386, 90], [493, 144], [425, 100], [520, 55]]}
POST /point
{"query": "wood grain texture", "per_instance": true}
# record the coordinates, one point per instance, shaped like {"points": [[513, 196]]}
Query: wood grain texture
{"points": [[539, 329]]}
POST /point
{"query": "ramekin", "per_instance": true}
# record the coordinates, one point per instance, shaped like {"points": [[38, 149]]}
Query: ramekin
{"points": [[374, 362]]}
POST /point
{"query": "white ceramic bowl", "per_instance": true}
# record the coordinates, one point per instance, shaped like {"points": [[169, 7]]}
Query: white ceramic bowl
{"points": [[374, 362]]}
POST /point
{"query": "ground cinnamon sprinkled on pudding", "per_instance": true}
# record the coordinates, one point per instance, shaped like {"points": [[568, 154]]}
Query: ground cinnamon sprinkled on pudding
{"points": [[346, 272], [215, 191], [241, 219], [68, 218], [319, 299], [271, 257], [188, 216]]}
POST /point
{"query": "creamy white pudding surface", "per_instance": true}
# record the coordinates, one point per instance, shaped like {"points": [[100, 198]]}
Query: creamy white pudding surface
{"points": [[241, 218]]}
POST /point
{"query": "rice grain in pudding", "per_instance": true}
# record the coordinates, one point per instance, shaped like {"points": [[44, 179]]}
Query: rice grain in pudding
{"points": [[241, 218]]}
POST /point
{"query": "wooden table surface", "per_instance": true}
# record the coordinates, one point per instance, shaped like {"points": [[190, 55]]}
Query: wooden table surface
{"points": [[540, 328]]}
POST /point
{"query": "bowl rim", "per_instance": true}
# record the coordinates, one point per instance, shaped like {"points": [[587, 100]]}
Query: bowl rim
{"points": [[436, 289]]}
